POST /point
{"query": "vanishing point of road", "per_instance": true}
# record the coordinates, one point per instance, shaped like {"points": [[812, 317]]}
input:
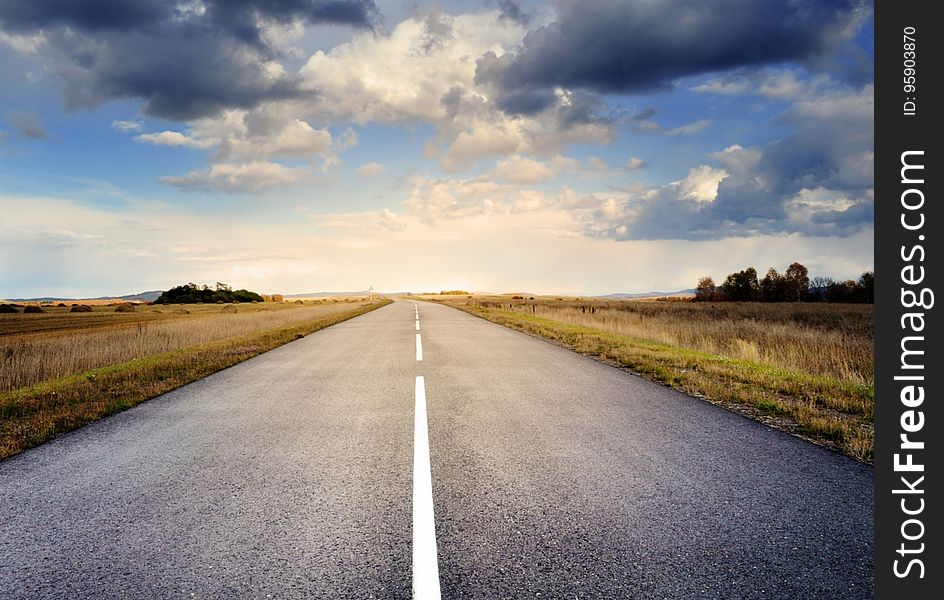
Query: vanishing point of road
{"points": [[418, 451]]}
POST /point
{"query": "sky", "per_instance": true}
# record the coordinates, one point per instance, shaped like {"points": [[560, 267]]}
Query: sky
{"points": [[292, 146]]}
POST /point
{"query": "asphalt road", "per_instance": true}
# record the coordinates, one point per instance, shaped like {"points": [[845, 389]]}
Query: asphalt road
{"points": [[551, 476]]}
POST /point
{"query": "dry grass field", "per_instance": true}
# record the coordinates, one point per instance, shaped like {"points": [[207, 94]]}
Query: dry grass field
{"points": [[60, 370], [803, 367], [38, 347]]}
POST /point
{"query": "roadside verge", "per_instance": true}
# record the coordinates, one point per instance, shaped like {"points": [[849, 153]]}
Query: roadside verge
{"points": [[822, 410], [36, 414]]}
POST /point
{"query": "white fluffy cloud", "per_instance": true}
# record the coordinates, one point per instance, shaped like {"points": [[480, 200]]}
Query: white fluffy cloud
{"points": [[424, 71], [701, 183], [520, 169], [403, 76], [247, 145]]}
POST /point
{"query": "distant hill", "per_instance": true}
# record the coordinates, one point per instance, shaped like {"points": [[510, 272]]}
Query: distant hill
{"points": [[141, 297], [621, 296]]}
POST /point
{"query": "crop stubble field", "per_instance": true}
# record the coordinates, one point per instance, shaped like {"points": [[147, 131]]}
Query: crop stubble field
{"points": [[806, 368], [60, 370]]}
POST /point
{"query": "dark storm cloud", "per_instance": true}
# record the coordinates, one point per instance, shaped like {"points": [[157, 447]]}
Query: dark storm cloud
{"points": [[183, 60], [608, 46], [85, 15], [512, 11], [98, 15]]}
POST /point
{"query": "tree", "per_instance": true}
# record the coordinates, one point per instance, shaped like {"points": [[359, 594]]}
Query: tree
{"points": [[797, 282], [192, 293], [706, 291], [842, 291], [741, 286], [773, 287], [819, 288], [866, 285]]}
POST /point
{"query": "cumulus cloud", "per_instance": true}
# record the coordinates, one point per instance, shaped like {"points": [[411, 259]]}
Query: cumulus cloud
{"points": [[371, 169], [183, 60], [28, 125], [424, 71], [817, 181], [701, 184], [634, 163], [520, 169], [433, 199], [230, 177], [625, 46]]}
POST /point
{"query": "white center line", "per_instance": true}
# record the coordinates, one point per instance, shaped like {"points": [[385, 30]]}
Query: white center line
{"points": [[417, 324], [425, 561], [419, 347]]}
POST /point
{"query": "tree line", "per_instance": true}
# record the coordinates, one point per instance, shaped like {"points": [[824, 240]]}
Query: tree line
{"points": [[192, 293], [794, 285]]}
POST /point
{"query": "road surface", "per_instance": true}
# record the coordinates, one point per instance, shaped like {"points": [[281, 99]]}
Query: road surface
{"points": [[317, 470]]}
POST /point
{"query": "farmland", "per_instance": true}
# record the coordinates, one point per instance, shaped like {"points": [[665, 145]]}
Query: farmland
{"points": [[61, 369], [806, 368]]}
